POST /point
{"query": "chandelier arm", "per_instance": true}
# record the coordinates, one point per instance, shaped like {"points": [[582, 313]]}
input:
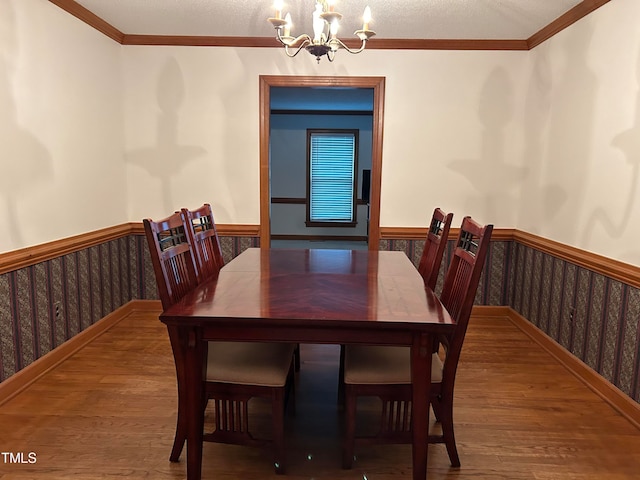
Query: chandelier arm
{"points": [[290, 41], [350, 50], [297, 50]]}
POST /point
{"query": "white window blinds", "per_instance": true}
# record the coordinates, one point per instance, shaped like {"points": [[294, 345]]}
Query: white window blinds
{"points": [[331, 177]]}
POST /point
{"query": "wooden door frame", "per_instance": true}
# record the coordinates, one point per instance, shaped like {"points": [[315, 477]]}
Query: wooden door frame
{"points": [[377, 84]]}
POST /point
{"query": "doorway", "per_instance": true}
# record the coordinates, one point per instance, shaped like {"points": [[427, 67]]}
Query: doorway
{"points": [[376, 84]]}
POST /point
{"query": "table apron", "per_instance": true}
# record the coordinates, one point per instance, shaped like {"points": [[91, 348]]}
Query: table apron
{"points": [[339, 335]]}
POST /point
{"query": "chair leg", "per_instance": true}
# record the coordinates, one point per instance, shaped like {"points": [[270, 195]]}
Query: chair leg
{"points": [[350, 429], [436, 406], [290, 390], [180, 436], [277, 408], [296, 356], [341, 377], [446, 418]]}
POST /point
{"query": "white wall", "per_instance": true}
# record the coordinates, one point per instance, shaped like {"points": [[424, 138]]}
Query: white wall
{"points": [[582, 135], [61, 169], [544, 141], [443, 142]]}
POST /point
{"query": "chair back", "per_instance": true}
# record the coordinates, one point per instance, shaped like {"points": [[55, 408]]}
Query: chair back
{"points": [[460, 286], [204, 237], [172, 258], [435, 244]]}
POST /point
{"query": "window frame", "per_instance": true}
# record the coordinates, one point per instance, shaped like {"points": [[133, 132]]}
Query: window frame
{"points": [[354, 202]]}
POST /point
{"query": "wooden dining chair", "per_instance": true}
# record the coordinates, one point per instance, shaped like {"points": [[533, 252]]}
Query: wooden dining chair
{"points": [[235, 371], [208, 253], [434, 247], [429, 268], [172, 258], [385, 372]]}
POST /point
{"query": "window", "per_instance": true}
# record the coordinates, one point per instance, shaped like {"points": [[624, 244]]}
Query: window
{"points": [[331, 183]]}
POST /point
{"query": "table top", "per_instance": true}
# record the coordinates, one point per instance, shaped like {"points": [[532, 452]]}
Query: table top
{"points": [[296, 288]]}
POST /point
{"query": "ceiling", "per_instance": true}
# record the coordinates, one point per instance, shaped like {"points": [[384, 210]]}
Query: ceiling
{"points": [[392, 19]]}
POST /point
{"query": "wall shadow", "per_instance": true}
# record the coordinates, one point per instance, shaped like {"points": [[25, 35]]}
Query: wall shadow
{"points": [[167, 158], [547, 195], [494, 179], [614, 222], [26, 162], [564, 183]]}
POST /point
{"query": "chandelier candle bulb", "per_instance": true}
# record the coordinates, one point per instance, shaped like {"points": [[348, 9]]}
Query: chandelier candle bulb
{"points": [[318, 24], [334, 28], [366, 18], [287, 26], [277, 4]]}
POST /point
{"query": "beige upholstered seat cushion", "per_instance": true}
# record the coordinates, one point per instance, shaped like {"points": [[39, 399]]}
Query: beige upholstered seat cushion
{"points": [[365, 364], [249, 363]]}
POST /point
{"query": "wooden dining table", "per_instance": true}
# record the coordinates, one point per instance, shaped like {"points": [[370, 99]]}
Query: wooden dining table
{"points": [[309, 296]]}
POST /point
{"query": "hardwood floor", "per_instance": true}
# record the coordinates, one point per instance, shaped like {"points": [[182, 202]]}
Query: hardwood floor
{"points": [[109, 411]]}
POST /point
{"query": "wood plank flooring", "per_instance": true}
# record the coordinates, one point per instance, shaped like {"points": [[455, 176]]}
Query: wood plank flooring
{"points": [[109, 412]]}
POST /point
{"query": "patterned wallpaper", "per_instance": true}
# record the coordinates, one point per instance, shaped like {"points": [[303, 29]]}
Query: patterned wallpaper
{"points": [[43, 305], [493, 288], [593, 316]]}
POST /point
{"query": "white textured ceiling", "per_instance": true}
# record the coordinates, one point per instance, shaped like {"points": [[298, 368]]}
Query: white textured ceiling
{"points": [[402, 19]]}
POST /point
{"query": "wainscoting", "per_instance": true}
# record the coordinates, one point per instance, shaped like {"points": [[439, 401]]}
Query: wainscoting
{"points": [[45, 304], [587, 304], [593, 315]]}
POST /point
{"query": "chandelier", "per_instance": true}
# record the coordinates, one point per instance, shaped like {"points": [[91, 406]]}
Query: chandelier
{"points": [[325, 39]]}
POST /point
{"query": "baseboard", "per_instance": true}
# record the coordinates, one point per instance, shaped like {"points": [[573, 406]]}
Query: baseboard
{"points": [[493, 311], [621, 402], [25, 377]]}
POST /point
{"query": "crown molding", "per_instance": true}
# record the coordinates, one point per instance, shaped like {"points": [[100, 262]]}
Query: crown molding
{"points": [[90, 18], [572, 16], [581, 10], [445, 44], [375, 44], [200, 41]]}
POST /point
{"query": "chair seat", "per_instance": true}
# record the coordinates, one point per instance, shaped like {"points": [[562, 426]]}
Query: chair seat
{"points": [[249, 363], [377, 365]]}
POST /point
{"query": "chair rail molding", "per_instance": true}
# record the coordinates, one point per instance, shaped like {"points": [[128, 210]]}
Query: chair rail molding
{"points": [[624, 272], [28, 256]]}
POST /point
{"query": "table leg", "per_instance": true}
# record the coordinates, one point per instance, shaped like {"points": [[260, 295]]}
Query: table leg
{"points": [[193, 388], [421, 380]]}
